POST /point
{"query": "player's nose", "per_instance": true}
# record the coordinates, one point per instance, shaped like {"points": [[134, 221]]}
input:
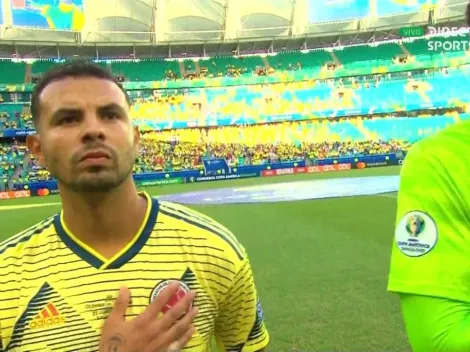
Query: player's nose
{"points": [[93, 128]]}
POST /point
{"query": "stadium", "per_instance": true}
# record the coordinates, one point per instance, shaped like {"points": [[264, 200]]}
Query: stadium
{"points": [[285, 120]]}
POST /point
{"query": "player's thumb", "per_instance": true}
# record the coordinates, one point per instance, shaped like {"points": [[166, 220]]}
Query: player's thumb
{"points": [[122, 302]]}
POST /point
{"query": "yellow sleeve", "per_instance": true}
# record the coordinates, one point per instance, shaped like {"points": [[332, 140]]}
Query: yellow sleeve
{"points": [[240, 326]]}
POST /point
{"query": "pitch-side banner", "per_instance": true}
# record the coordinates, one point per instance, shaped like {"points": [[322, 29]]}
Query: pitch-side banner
{"points": [[306, 170], [160, 182], [222, 177], [337, 10], [369, 164], [15, 194]]}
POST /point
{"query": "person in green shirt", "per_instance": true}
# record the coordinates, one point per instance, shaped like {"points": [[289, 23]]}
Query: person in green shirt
{"points": [[430, 263]]}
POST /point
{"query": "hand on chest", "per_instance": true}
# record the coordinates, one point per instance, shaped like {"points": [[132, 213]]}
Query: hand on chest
{"points": [[91, 300], [96, 298], [75, 312]]}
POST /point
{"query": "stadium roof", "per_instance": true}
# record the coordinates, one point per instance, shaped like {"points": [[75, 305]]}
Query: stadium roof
{"points": [[179, 28]]}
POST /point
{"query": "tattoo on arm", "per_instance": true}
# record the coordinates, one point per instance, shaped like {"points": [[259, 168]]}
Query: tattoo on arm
{"points": [[117, 343]]}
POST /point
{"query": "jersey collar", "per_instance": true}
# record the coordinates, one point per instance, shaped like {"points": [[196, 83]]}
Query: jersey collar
{"points": [[126, 254]]}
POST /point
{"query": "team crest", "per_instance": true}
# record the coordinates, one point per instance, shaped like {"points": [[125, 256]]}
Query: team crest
{"points": [[415, 225], [183, 290], [416, 234]]}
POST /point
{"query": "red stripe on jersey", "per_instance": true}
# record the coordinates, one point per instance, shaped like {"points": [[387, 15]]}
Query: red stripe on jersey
{"points": [[53, 309], [45, 313]]}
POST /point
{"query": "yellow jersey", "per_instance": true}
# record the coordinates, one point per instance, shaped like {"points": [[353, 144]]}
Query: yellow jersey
{"points": [[55, 292]]}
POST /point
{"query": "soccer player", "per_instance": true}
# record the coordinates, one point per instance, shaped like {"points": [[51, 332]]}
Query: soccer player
{"points": [[430, 265], [60, 278]]}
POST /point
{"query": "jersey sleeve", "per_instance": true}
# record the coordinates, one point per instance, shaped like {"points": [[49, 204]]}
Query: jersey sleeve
{"points": [[431, 249], [240, 326], [436, 324]]}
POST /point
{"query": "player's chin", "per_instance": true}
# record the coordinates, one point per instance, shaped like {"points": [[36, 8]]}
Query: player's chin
{"points": [[97, 181]]}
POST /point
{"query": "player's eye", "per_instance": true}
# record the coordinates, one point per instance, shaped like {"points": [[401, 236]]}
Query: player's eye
{"points": [[68, 119], [110, 115]]}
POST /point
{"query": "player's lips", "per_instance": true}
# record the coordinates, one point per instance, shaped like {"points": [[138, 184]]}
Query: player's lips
{"points": [[95, 157]]}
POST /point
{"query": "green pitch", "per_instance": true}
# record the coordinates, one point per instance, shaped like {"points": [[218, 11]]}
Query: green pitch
{"points": [[321, 265]]}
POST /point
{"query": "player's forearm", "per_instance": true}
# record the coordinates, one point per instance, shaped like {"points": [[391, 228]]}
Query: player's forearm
{"points": [[436, 324]]}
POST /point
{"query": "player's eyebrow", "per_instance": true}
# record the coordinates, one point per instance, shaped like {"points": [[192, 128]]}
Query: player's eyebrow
{"points": [[112, 107], [64, 111], [78, 111]]}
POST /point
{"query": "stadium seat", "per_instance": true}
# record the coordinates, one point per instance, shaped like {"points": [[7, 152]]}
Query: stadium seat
{"points": [[12, 72], [146, 70], [356, 55], [41, 66]]}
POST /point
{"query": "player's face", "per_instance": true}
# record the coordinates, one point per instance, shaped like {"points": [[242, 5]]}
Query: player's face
{"points": [[85, 139]]}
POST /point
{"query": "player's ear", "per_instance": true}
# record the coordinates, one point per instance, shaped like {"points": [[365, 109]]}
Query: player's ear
{"points": [[136, 132], [33, 142]]}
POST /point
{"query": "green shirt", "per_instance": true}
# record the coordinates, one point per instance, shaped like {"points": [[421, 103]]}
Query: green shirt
{"points": [[431, 250], [430, 264]]}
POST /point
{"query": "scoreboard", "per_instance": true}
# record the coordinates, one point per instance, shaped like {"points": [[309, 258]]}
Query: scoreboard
{"points": [[321, 11], [47, 14]]}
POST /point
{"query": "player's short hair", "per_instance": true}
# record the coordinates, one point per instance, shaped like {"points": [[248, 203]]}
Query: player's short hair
{"points": [[75, 69]]}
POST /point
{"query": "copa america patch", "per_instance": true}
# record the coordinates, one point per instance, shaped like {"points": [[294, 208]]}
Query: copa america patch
{"points": [[416, 234], [182, 291]]}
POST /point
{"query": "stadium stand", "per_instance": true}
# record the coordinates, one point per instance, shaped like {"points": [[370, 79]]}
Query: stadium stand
{"points": [[146, 70], [247, 91], [313, 60], [19, 167], [13, 116], [355, 56], [384, 113], [313, 98]]}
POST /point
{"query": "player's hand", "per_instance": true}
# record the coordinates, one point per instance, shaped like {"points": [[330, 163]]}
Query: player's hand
{"points": [[149, 332]]}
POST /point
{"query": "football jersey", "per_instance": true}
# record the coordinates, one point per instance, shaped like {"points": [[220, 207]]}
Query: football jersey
{"points": [[56, 292], [431, 251]]}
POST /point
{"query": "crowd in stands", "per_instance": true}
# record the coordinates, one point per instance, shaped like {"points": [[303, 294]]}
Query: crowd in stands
{"points": [[254, 101], [159, 156], [184, 149], [182, 105], [162, 156], [14, 164], [170, 75], [15, 121], [302, 97]]}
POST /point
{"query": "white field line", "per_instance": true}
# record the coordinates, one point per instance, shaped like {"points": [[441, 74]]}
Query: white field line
{"points": [[26, 206]]}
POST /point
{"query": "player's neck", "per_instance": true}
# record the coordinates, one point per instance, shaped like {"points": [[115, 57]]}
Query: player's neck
{"points": [[112, 217]]}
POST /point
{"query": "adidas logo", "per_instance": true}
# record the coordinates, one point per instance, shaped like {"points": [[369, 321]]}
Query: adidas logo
{"points": [[48, 317]]}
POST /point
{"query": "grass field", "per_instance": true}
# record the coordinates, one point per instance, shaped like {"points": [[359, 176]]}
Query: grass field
{"points": [[321, 266]]}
